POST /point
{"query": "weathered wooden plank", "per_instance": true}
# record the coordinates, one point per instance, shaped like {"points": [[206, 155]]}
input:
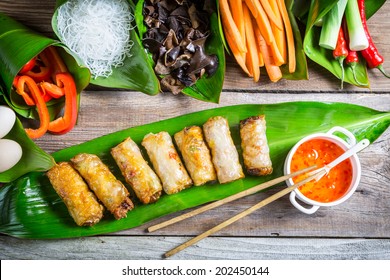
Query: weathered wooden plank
{"points": [[144, 248]]}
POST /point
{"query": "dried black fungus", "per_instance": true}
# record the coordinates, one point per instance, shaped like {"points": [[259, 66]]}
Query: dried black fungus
{"points": [[176, 37]]}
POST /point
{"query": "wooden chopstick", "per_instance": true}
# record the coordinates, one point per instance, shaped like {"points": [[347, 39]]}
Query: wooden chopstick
{"points": [[240, 215], [236, 196]]}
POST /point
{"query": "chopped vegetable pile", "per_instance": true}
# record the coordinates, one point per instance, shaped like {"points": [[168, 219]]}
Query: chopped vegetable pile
{"points": [[259, 33], [344, 31], [45, 77], [176, 37]]}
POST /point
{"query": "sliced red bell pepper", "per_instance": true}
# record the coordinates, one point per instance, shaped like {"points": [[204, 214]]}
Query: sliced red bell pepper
{"points": [[40, 104], [20, 82], [28, 66], [57, 63], [20, 85], [65, 123], [52, 90], [42, 71], [15, 82]]}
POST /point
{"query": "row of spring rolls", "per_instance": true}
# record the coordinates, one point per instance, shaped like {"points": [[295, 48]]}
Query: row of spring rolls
{"points": [[208, 155]]}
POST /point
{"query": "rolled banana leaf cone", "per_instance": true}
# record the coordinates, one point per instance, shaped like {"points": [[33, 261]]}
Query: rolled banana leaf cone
{"points": [[136, 73], [33, 157], [18, 45]]}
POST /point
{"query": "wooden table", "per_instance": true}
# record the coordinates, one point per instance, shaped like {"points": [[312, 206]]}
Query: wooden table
{"points": [[357, 229]]}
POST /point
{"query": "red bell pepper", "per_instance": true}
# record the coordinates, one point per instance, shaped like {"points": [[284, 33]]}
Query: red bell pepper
{"points": [[65, 123], [20, 85], [42, 70], [40, 104], [28, 66], [52, 90], [57, 63]]}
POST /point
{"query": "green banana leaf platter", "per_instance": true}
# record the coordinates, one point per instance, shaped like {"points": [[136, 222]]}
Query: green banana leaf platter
{"points": [[18, 45], [30, 208]]}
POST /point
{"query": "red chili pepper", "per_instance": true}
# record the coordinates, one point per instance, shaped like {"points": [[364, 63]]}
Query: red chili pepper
{"points": [[371, 54], [352, 58], [68, 120], [40, 104], [28, 66], [340, 53]]}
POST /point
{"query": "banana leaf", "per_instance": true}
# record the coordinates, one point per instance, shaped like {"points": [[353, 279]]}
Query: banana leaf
{"points": [[136, 72], [29, 207], [324, 57], [18, 45], [33, 157], [206, 88]]}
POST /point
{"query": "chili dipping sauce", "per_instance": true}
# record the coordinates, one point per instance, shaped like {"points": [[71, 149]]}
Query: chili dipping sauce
{"points": [[320, 152]]}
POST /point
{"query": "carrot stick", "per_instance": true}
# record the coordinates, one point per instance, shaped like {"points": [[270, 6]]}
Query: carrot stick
{"points": [[239, 56], [230, 27], [280, 36], [261, 20], [271, 14], [238, 17], [261, 60], [253, 58], [277, 56], [273, 71], [289, 35], [252, 7]]}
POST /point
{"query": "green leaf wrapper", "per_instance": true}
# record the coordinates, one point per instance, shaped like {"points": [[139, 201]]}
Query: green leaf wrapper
{"points": [[136, 72], [324, 57], [30, 208], [18, 45], [33, 157], [206, 88]]}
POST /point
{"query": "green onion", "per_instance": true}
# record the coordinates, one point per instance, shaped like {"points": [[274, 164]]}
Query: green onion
{"points": [[331, 25], [357, 37]]}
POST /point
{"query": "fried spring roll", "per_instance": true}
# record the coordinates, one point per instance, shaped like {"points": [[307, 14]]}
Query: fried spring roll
{"points": [[80, 201], [224, 153], [166, 162], [255, 148], [138, 174], [196, 155], [110, 191]]}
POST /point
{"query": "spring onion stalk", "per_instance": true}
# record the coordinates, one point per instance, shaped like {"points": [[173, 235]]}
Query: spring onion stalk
{"points": [[357, 37], [331, 25]]}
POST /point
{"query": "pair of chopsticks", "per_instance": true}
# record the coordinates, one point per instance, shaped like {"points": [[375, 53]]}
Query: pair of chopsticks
{"points": [[232, 198]]}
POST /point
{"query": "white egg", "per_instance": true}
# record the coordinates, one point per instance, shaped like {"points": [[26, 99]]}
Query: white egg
{"points": [[7, 120], [10, 154]]}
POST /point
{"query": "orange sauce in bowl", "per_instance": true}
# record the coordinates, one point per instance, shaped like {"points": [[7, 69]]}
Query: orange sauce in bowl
{"points": [[320, 152]]}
